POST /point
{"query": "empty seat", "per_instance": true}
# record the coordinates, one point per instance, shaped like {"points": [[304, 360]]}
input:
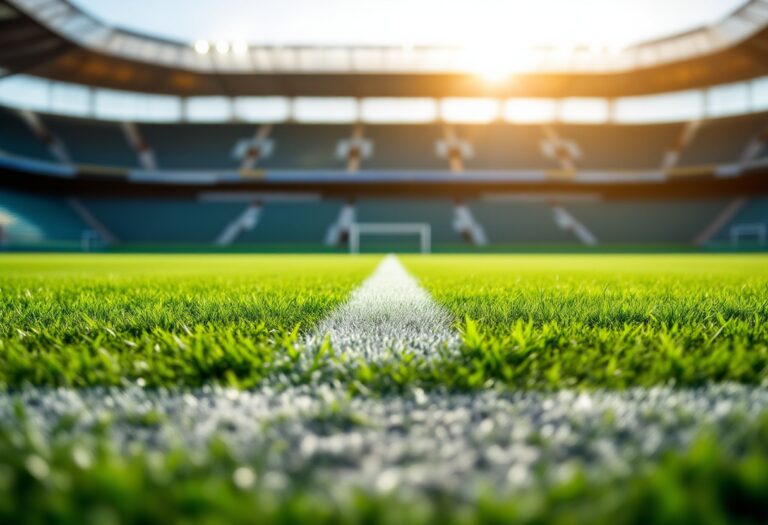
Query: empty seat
{"points": [[306, 146], [519, 223], [722, 141], [663, 222], [196, 146], [40, 217], [410, 146], [163, 220], [293, 223], [18, 139], [93, 142], [621, 147], [504, 147]]}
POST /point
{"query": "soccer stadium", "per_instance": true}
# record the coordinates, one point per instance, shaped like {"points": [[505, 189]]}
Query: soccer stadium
{"points": [[367, 262]]}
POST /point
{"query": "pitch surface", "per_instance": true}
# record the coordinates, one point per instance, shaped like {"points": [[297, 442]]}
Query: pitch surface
{"points": [[468, 377]]}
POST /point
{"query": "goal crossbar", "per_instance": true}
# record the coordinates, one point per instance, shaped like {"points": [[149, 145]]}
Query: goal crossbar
{"points": [[423, 230], [757, 230]]}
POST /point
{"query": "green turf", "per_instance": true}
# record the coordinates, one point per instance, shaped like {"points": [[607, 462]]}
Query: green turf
{"points": [[528, 321], [605, 321], [532, 322], [63, 484], [166, 320]]}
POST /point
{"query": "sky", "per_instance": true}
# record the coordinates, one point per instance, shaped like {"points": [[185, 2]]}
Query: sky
{"points": [[464, 23]]}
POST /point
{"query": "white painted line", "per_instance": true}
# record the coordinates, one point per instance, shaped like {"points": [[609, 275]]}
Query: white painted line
{"points": [[387, 315]]}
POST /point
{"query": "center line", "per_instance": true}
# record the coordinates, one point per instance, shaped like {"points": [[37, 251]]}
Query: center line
{"points": [[388, 314]]}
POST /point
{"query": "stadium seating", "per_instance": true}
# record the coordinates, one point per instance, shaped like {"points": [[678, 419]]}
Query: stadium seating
{"points": [[304, 223], [504, 146], [93, 142], [610, 222], [192, 222], [195, 146], [17, 138], [519, 223], [17, 230], [39, 219], [163, 220], [722, 141], [661, 222], [306, 146], [621, 147], [47, 219], [394, 146], [404, 146]]}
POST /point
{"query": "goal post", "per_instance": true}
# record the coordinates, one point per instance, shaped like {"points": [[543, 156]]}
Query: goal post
{"points": [[422, 229], [753, 230]]}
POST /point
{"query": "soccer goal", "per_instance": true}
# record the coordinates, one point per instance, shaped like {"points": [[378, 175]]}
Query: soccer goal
{"points": [[755, 231], [422, 230]]}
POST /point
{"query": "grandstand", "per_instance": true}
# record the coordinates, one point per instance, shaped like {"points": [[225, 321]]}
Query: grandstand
{"points": [[629, 154]]}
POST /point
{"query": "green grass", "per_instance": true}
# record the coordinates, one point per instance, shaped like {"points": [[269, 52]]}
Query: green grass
{"points": [[605, 321], [76, 320], [707, 485], [534, 322], [529, 322]]}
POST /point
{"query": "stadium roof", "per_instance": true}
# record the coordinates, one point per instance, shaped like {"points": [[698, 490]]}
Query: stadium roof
{"points": [[56, 39], [615, 23]]}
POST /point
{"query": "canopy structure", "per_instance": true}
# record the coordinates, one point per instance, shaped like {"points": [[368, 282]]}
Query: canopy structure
{"points": [[57, 40]]}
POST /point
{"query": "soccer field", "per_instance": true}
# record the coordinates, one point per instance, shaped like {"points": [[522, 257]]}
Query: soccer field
{"points": [[370, 389]]}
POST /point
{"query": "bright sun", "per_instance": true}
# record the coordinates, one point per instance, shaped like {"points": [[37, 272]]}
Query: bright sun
{"points": [[497, 63]]}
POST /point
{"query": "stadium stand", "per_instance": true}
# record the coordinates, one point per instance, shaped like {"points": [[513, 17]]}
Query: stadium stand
{"points": [[304, 223], [163, 220], [16, 230], [39, 218], [723, 141], [296, 176], [93, 142], [504, 146], [404, 146], [195, 146], [306, 146], [621, 147], [519, 223], [662, 222], [17, 138]]}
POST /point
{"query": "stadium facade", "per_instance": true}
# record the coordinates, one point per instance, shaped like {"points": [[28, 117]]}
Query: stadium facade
{"points": [[112, 138]]}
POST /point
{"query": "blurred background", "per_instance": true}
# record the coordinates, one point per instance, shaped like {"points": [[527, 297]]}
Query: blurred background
{"points": [[379, 126]]}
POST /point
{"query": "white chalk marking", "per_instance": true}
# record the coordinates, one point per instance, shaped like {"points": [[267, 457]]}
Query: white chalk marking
{"points": [[387, 315]]}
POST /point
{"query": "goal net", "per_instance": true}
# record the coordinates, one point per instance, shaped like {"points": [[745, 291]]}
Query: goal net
{"points": [[420, 229]]}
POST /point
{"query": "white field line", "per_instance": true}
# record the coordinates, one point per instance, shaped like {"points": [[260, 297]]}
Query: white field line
{"points": [[388, 314]]}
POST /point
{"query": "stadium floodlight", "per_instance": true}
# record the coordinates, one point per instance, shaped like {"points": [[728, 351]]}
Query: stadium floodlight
{"points": [[240, 48], [422, 229], [202, 47], [222, 47]]}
